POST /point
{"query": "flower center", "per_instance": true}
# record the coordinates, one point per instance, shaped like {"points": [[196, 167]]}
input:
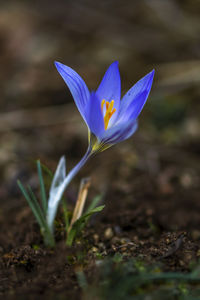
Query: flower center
{"points": [[109, 111]]}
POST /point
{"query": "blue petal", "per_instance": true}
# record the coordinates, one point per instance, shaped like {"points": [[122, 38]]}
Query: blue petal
{"points": [[134, 100], [119, 133], [94, 116], [77, 86], [110, 87], [133, 109]]}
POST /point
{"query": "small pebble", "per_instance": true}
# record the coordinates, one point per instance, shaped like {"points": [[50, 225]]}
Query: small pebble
{"points": [[186, 180], [135, 238], [94, 249], [123, 249], [124, 241], [181, 262], [101, 246], [117, 229], [96, 238], [114, 248], [108, 234]]}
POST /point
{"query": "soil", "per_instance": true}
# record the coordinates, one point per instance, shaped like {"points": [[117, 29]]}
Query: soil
{"points": [[154, 217]]}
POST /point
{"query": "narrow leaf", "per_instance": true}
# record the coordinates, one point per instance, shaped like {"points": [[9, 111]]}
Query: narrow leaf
{"points": [[32, 204], [47, 170], [84, 218], [39, 210], [80, 223], [48, 237], [42, 188], [94, 203], [70, 237], [66, 214]]}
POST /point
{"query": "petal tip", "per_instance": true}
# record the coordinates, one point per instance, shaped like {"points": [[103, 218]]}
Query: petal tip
{"points": [[116, 63], [151, 74], [149, 79], [57, 64]]}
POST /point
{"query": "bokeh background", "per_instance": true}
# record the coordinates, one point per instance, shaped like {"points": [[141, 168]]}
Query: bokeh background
{"points": [[38, 118]]}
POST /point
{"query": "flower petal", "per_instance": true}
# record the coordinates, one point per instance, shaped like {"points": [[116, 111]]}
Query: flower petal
{"points": [[134, 100], [77, 86], [94, 115], [119, 133], [110, 87]]}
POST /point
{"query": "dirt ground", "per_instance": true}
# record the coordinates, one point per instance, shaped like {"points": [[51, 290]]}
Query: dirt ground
{"points": [[151, 215]]}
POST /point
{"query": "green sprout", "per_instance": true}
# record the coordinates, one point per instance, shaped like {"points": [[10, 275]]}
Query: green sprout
{"points": [[74, 222]]}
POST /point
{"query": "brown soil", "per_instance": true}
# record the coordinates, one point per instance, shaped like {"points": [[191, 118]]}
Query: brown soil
{"points": [[151, 216]]}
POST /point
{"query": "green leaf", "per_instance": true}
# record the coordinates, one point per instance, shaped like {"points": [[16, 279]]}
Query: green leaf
{"points": [[70, 237], [42, 187], [36, 203], [66, 214], [94, 203], [47, 170], [80, 223], [38, 213], [86, 216], [33, 205]]}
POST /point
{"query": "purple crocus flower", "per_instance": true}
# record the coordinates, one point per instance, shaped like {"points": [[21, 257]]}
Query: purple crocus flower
{"points": [[109, 119]]}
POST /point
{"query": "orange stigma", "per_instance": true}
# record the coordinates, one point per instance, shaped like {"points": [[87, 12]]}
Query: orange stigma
{"points": [[109, 111]]}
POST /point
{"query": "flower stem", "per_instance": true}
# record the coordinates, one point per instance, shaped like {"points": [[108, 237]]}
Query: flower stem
{"points": [[48, 237], [76, 169], [53, 205]]}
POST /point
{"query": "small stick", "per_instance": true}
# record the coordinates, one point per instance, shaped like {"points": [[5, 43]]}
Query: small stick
{"points": [[80, 203]]}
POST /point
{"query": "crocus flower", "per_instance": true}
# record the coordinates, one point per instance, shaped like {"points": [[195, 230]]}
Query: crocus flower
{"points": [[109, 118]]}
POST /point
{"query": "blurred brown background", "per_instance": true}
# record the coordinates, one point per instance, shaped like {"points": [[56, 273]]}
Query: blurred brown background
{"points": [[38, 118]]}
